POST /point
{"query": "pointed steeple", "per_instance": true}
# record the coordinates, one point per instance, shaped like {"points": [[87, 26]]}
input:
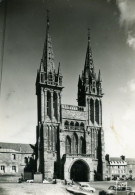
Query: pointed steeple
{"points": [[79, 81], [41, 66], [47, 73], [89, 60], [48, 54], [59, 69], [99, 76]]}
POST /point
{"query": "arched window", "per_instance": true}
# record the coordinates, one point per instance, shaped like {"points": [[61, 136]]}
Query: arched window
{"points": [[50, 76], [76, 125], [56, 78], [75, 144], [55, 138], [72, 126], [100, 112], [97, 111], [82, 126], [82, 145], [48, 133], [92, 110], [68, 145], [49, 138], [60, 80], [55, 104], [42, 77], [51, 144], [49, 103], [66, 125]]}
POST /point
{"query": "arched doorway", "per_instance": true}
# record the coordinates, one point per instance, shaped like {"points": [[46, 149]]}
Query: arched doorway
{"points": [[79, 171]]}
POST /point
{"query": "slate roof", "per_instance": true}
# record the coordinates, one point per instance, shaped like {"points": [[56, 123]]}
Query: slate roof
{"points": [[115, 159], [130, 161], [22, 148]]}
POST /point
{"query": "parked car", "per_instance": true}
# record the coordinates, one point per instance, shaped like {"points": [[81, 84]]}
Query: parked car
{"points": [[87, 187], [132, 192], [45, 181], [115, 189], [30, 181]]}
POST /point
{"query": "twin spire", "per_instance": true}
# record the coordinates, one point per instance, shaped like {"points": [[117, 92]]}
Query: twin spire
{"points": [[88, 81], [47, 65]]}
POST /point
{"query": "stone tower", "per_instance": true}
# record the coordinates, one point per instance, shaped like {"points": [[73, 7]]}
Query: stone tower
{"points": [[48, 91], [70, 139], [90, 96]]}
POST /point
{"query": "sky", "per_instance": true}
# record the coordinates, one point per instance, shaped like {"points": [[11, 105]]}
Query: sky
{"points": [[112, 24]]}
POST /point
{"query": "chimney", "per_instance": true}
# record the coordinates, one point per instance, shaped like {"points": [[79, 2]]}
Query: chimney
{"points": [[107, 157], [123, 157]]}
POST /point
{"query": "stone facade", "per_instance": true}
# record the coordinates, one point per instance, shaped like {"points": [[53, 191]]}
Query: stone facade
{"points": [[70, 139], [120, 167], [15, 159]]}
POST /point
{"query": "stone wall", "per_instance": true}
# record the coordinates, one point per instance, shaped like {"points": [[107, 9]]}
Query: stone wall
{"points": [[12, 162]]}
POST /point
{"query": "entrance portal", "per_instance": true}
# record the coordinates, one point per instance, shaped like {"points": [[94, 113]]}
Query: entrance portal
{"points": [[79, 171]]}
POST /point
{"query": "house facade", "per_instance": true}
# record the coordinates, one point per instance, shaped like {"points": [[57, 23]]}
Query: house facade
{"points": [[16, 159], [120, 168]]}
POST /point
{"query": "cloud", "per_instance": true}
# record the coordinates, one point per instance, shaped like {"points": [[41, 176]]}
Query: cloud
{"points": [[127, 11], [129, 87], [131, 41], [127, 19]]}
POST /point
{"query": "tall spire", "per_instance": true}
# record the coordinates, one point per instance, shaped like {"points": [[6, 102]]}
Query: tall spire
{"points": [[89, 60], [48, 55]]}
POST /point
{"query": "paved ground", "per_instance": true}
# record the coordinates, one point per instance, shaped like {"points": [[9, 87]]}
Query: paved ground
{"points": [[32, 189], [47, 189]]}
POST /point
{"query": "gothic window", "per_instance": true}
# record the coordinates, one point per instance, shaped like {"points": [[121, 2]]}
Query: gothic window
{"points": [[72, 125], [82, 126], [75, 144], [50, 76], [92, 110], [97, 111], [68, 145], [42, 77], [76, 125], [94, 85], [100, 111], [60, 81], [49, 103], [51, 144], [66, 125], [55, 138], [56, 78], [55, 104], [82, 145], [49, 138]]}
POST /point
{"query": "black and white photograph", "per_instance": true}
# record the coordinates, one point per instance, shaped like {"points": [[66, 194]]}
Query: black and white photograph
{"points": [[67, 97]]}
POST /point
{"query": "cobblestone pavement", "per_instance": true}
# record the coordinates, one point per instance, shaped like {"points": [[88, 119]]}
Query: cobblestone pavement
{"points": [[48, 189], [32, 189]]}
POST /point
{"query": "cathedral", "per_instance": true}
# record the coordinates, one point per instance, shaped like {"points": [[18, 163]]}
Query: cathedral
{"points": [[70, 139]]}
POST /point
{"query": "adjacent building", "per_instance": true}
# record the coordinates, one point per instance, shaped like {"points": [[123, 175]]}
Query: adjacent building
{"points": [[16, 159], [120, 168]]}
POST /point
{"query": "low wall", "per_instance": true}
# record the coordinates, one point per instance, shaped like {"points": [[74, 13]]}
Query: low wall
{"points": [[9, 178]]}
